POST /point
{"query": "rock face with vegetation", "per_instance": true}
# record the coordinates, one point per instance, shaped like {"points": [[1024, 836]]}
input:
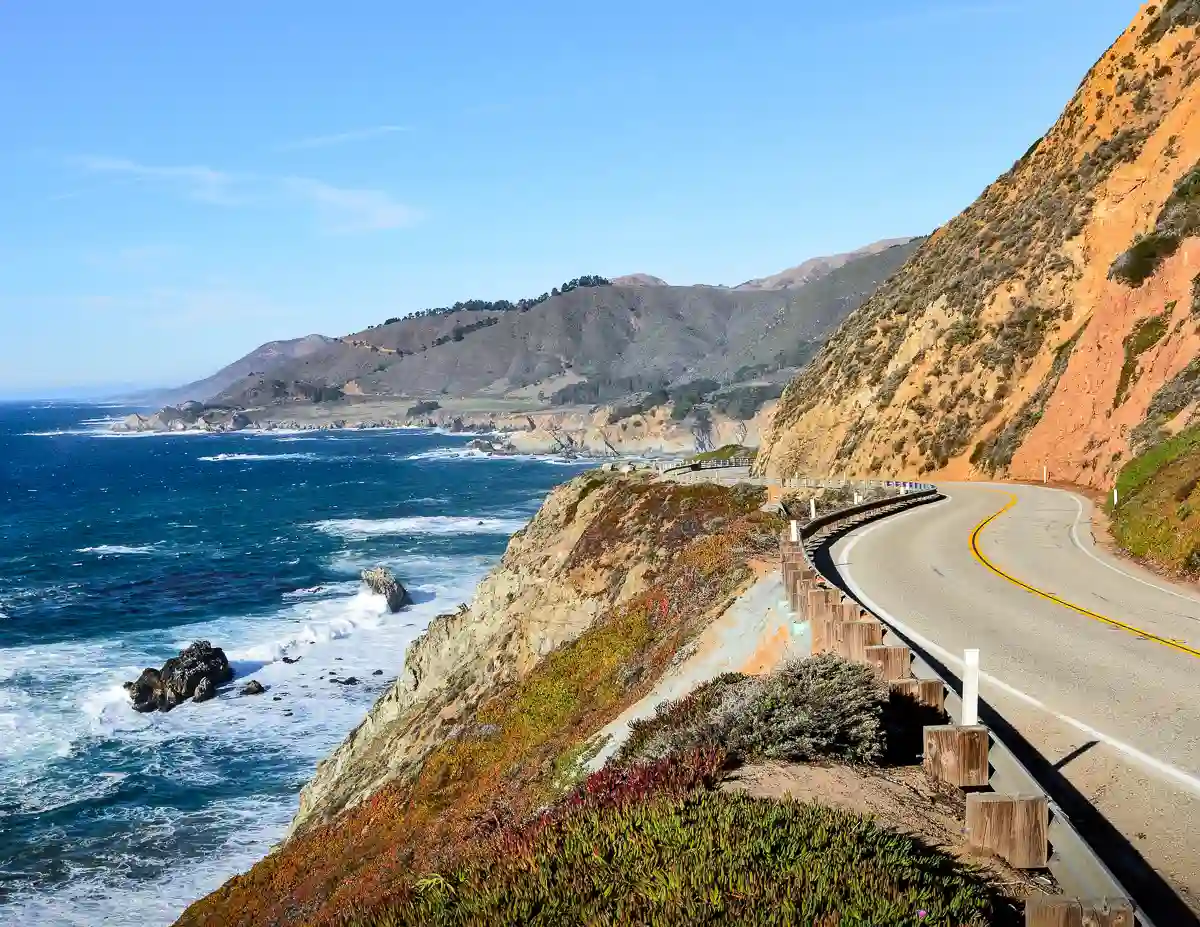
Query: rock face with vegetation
{"points": [[464, 796], [1056, 321], [1157, 517], [491, 714]]}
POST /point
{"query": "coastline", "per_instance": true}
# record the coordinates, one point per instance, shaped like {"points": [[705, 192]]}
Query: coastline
{"points": [[293, 591], [599, 431]]}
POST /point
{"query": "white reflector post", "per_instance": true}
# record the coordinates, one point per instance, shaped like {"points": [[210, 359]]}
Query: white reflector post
{"points": [[795, 529], [970, 693], [812, 507]]}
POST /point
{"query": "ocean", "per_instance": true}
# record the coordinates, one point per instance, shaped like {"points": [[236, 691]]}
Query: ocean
{"points": [[117, 551]]}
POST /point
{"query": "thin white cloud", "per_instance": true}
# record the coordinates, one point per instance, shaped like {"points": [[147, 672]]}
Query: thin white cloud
{"points": [[342, 138], [202, 183], [347, 210], [341, 210]]}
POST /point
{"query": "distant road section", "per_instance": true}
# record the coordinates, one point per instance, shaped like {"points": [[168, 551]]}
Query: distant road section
{"points": [[1094, 660]]}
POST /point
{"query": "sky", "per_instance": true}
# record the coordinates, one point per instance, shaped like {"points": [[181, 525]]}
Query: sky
{"points": [[180, 182]]}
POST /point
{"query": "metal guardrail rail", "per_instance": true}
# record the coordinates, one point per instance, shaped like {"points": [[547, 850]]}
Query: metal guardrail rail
{"points": [[708, 464], [1074, 863]]}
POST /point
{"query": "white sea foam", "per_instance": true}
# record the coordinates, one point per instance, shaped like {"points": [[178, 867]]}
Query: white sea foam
{"points": [[470, 453], [80, 703], [219, 458], [97, 893], [448, 453], [361, 528], [322, 591], [115, 549]]}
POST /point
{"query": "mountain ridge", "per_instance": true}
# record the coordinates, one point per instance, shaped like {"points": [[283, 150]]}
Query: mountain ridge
{"points": [[619, 338], [817, 267]]}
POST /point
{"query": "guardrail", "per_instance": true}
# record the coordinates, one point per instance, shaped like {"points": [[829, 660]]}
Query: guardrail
{"points": [[1018, 818], [707, 464]]}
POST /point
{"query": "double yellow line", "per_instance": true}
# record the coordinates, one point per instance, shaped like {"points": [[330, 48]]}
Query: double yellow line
{"points": [[1049, 596]]}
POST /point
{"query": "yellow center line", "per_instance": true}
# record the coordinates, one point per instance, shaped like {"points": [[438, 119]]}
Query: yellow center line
{"points": [[1049, 596]]}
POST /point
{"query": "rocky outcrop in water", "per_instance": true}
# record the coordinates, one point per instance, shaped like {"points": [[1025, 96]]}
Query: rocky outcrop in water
{"points": [[496, 448], [381, 581], [194, 674], [191, 416]]}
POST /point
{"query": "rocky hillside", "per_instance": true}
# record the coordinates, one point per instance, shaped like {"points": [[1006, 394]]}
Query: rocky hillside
{"points": [[620, 338], [272, 355], [1054, 322], [815, 268], [490, 714]]}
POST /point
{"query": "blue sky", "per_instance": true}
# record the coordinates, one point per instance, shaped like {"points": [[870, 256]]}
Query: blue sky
{"points": [[181, 182]]}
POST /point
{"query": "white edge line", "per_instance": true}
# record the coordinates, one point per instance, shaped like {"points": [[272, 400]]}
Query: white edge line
{"points": [[1164, 769], [1115, 569]]}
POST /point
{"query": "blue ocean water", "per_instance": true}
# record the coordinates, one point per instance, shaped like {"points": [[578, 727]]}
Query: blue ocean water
{"points": [[116, 551]]}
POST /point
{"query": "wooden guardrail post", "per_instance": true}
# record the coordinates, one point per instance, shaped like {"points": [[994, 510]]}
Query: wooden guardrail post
{"points": [[857, 636], [850, 611], [892, 662], [1056, 911], [1013, 827], [957, 754], [928, 692]]}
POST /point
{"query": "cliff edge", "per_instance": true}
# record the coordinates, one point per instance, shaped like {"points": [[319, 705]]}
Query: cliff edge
{"points": [[497, 706]]}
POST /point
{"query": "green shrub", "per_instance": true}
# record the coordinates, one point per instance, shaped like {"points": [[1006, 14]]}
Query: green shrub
{"points": [[699, 719], [1172, 14], [1142, 468], [824, 707], [1145, 335], [424, 407], [712, 858], [1178, 219], [1136, 265], [745, 402], [725, 452]]}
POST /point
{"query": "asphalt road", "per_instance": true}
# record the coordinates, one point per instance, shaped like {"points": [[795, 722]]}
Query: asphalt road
{"points": [[1095, 661]]}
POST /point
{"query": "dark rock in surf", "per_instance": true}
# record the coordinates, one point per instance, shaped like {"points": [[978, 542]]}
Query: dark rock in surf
{"points": [[195, 673], [204, 690], [253, 687], [292, 659], [381, 581]]}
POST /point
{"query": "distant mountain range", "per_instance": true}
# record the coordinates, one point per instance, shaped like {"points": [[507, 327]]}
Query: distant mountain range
{"points": [[590, 343]]}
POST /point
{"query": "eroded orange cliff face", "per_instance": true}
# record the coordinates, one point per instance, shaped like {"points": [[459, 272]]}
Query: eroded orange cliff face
{"points": [[1005, 344]]}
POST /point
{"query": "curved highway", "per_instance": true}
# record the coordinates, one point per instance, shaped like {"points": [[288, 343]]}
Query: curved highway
{"points": [[1093, 660]]}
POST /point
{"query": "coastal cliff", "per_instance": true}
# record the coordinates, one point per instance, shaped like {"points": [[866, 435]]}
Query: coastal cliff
{"points": [[496, 708], [1052, 324], [538, 597]]}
